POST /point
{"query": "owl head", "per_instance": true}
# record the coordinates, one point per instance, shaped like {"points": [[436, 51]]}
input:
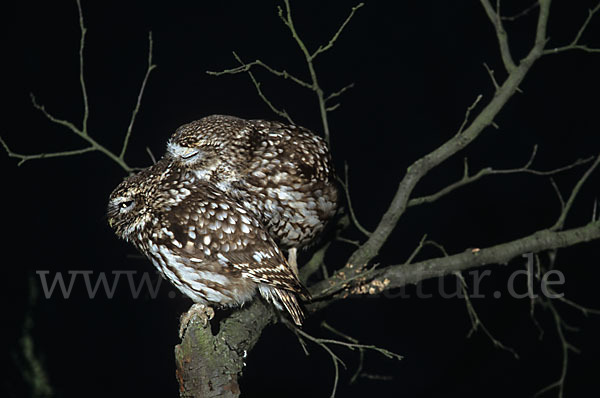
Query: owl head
{"points": [[215, 147], [128, 207]]}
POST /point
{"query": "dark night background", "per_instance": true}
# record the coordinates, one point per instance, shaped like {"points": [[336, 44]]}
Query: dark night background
{"points": [[416, 67]]}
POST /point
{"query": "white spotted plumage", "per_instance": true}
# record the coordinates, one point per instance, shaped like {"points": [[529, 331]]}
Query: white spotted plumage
{"points": [[202, 240], [281, 173]]}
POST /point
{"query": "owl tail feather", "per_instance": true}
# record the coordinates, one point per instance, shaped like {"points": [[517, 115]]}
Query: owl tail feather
{"points": [[283, 298]]}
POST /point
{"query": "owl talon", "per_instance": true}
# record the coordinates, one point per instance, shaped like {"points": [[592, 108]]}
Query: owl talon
{"points": [[204, 312]]}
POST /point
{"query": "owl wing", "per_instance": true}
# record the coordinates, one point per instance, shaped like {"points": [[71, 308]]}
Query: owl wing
{"points": [[212, 228]]}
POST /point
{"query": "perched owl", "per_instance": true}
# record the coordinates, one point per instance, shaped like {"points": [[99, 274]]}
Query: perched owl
{"points": [[208, 245], [281, 173]]}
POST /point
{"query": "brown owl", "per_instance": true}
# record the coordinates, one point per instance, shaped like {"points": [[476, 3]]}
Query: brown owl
{"points": [[207, 244], [281, 173]]}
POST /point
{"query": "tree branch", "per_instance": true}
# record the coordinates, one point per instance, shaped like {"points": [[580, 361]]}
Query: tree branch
{"points": [[309, 59], [86, 108], [83, 131], [494, 16], [467, 179], [394, 276], [366, 252], [567, 206], [574, 45], [209, 365], [151, 66]]}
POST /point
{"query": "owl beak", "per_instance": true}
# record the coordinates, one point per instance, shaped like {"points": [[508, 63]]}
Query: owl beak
{"points": [[187, 153]]}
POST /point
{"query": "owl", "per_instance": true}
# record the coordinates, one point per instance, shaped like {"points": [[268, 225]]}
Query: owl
{"points": [[203, 241], [280, 173]]}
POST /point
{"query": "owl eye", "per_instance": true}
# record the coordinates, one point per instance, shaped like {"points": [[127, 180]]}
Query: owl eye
{"points": [[126, 205]]}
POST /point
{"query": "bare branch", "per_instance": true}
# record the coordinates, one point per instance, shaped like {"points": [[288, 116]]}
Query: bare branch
{"points": [[246, 67], [151, 66], [567, 206], [491, 73], [476, 321], [565, 348], [494, 16], [313, 85], [417, 250], [339, 92], [86, 109], [558, 194], [322, 49], [468, 113], [334, 358], [523, 13], [346, 186], [361, 351], [152, 157], [309, 58], [467, 179], [459, 141], [94, 145], [375, 281], [574, 45], [23, 158], [352, 345], [584, 310], [282, 113], [83, 131]]}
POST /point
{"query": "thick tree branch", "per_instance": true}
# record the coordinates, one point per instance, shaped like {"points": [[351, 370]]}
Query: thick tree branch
{"points": [[364, 254], [376, 281], [209, 365], [496, 19]]}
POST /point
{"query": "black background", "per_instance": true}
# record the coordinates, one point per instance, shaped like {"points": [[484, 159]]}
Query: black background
{"points": [[416, 67]]}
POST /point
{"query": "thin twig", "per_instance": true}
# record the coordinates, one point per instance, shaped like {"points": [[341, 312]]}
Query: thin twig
{"points": [[83, 131], [245, 67], [574, 45], [339, 92], [563, 215], [565, 348], [322, 49], [416, 250], [533, 299], [281, 112], [361, 351], [24, 158], [467, 179], [334, 358], [522, 13], [86, 108], [346, 186], [476, 321], [491, 73], [152, 158], [151, 66], [309, 58], [467, 113]]}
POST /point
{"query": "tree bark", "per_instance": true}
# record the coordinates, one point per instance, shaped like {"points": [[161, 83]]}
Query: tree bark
{"points": [[209, 365]]}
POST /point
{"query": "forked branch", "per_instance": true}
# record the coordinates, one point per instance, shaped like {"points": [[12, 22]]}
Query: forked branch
{"points": [[83, 132]]}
